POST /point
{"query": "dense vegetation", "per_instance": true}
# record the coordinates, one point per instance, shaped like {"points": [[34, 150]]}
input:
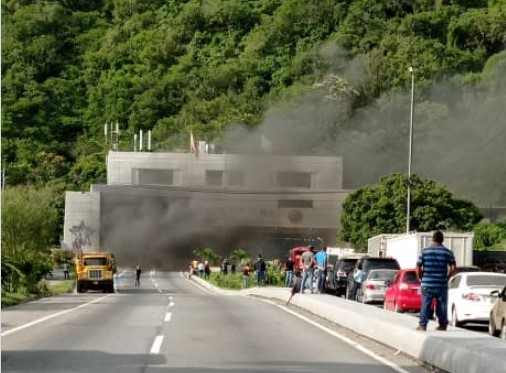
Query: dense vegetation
{"points": [[171, 66], [70, 66], [381, 208]]}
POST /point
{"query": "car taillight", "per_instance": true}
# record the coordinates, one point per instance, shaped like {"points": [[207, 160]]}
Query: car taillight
{"points": [[369, 286], [472, 297], [403, 286]]}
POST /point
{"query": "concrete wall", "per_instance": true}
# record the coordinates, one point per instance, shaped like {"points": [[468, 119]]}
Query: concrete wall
{"points": [[260, 172], [82, 221]]}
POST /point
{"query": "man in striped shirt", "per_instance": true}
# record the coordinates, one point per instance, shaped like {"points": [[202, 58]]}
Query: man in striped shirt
{"points": [[435, 265]]}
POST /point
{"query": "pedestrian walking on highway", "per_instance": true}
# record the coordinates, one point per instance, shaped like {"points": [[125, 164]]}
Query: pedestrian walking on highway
{"points": [[260, 268], [288, 267], [435, 266], [207, 270], [66, 271], [308, 263], [321, 266], [297, 280], [138, 272]]}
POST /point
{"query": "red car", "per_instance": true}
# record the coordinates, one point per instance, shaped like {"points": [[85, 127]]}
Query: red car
{"points": [[404, 293]]}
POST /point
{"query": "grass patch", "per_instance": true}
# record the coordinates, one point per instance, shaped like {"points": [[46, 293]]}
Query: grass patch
{"points": [[11, 299], [45, 288], [60, 287], [231, 281]]}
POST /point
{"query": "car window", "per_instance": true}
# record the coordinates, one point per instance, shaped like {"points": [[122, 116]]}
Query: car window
{"points": [[455, 282], [381, 275], [486, 280], [346, 265], [375, 263], [410, 277]]}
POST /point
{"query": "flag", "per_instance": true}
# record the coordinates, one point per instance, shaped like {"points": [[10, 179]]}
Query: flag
{"points": [[193, 148]]}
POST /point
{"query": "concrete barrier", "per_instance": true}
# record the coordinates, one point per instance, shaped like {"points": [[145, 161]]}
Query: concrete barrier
{"points": [[455, 350]]}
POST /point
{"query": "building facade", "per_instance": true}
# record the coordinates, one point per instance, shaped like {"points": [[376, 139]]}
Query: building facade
{"points": [[158, 207]]}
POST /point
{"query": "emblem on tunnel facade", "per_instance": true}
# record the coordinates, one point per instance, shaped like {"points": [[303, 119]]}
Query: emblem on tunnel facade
{"points": [[295, 216], [82, 234]]}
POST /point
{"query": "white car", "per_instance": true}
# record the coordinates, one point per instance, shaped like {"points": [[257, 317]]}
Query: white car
{"points": [[470, 298]]}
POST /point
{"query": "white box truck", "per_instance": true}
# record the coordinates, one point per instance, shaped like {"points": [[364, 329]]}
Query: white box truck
{"points": [[406, 248], [377, 245]]}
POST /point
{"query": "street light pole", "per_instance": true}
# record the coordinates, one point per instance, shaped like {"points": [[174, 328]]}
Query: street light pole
{"points": [[408, 208]]}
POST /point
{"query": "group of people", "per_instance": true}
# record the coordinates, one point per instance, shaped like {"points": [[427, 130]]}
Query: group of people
{"points": [[201, 269], [312, 267]]}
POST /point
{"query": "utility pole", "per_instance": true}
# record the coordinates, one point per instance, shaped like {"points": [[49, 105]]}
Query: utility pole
{"points": [[408, 208]]}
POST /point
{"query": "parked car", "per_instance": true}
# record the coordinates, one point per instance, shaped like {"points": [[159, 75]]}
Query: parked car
{"points": [[470, 298], [370, 263], [375, 284], [497, 322], [404, 293], [467, 269], [337, 280]]}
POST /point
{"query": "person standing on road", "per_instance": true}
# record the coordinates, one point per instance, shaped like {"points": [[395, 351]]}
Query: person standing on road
{"points": [[66, 271], [260, 268], [288, 267], [321, 266], [207, 270], [200, 269], [358, 278], [245, 275], [435, 266], [308, 263], [138, 276]]}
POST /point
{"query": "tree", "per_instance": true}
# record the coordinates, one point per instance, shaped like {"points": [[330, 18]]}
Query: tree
{"points": [[489, 236], [381, 208], [207, 254], [239, 256]]}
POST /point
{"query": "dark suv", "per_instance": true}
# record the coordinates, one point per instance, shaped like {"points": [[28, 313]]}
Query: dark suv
{"points": [[337, 281], [369, 263]]}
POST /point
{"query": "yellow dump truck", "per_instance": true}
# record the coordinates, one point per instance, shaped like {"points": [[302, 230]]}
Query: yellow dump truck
{"points": [[95, 270]]}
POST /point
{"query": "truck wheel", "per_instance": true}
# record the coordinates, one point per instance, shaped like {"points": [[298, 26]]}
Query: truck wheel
{"points": [[80, 287]]}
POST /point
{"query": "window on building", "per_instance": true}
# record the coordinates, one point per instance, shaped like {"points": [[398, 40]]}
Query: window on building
{"points": [[235, 178], [295, 203], [145, 176], [293, 179], [214, 178]]}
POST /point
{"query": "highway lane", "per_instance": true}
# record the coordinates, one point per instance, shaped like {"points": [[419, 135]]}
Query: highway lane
{"points": [[170, 324]]}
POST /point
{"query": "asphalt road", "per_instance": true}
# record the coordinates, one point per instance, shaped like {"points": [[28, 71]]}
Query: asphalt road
{"points": [[169, 324]]}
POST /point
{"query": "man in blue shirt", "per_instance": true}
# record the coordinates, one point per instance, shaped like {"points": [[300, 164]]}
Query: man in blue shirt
{"points": [[321, 267], [435, 265]]}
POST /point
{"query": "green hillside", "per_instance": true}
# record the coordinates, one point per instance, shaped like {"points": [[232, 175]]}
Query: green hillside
{"points": [[334, 70]]}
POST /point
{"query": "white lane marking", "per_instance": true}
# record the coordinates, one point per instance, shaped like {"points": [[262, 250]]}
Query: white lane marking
{"points": [[168, 316], [347, 340], [171, 304], [45, 318], [170, 298], [157, 344], [156, 284]]}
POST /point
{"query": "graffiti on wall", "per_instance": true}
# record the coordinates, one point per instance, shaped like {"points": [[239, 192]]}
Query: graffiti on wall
{"points": [[82, 234]]}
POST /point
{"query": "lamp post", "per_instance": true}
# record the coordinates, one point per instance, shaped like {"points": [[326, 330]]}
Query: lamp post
{"points": [[408, 208]]}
